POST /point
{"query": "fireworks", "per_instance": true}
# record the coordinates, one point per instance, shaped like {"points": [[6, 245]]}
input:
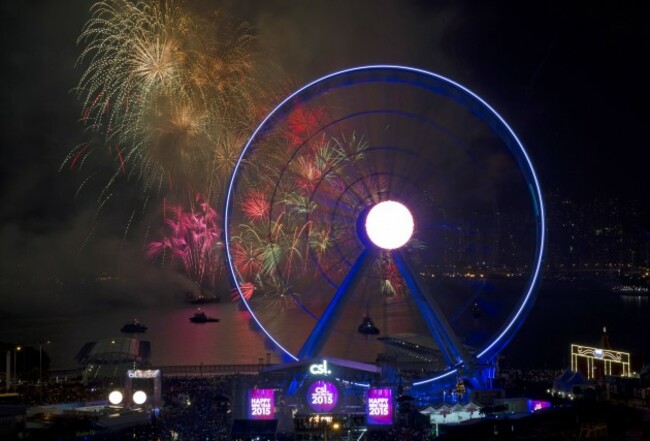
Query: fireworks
{"points": [[173, 97], [302, 123], [170, 96], [193, 239], [256, 205], [135, 58], [286, 207], [172, 93]]}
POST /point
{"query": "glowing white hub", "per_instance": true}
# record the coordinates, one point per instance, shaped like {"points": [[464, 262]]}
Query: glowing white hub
{"points": [[389, 225]]}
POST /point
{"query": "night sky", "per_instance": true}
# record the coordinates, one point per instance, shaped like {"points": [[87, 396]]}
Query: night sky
{"points": [[571, 81]]}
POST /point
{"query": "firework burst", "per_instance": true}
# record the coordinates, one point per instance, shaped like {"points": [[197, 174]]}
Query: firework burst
{"points": [[284, 228], [135, 58], [171, 91], [193, 240], [256, 205]]}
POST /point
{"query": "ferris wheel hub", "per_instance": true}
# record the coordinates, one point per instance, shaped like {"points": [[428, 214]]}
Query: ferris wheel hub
{"points": [[389, 225]]}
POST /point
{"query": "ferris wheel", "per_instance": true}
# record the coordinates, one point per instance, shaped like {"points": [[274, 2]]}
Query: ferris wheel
{"points": [[394, 197]]}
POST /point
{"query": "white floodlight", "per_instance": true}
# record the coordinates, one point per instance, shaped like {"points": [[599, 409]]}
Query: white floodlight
{"points": [[115, 397], [139, 397]]}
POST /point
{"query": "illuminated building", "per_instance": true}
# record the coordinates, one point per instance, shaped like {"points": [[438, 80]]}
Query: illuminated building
{"points": [[599, 362], [595, 363], [596, 238]]}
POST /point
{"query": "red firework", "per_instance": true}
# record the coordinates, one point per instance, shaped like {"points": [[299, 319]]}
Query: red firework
{"points": [[247, 259], [247, 290], [391, 276], [256, 205], [302, 123]]}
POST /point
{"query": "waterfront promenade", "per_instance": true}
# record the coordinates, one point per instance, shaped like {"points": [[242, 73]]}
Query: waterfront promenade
{"points": [[200, 370]]}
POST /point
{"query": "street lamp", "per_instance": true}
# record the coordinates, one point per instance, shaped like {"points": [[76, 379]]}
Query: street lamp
{"points": [[335, 426], [40, 359], [16, 350]]}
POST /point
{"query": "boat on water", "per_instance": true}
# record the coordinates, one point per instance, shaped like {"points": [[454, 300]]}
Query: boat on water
{"points": [[368, 327], [201, 299], [476, 311], [632, 290], [134, 327], [201, 317]]}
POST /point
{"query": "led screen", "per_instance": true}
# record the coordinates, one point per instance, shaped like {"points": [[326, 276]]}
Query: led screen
{"points": [[322, 396], [534, 405], [261, 403], [379, 406]]}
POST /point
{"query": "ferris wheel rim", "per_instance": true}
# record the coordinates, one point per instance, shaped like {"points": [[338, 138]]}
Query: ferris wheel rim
{"points": [[499, 339]]}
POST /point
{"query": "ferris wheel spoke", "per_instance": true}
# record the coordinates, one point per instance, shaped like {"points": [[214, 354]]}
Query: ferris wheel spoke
{"points": [[451, 349], [323, 328]]}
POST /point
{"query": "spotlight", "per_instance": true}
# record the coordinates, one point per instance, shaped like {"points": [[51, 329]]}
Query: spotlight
{"points": [[115, 397], [139, 397]]}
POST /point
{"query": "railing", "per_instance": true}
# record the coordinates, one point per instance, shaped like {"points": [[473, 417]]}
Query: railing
{"points": [[211, 369], [181, 370], [65, 373]]}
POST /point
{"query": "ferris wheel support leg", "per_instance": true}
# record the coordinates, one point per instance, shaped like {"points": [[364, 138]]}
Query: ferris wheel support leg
{"points": [[450, 348], [320, 333]]}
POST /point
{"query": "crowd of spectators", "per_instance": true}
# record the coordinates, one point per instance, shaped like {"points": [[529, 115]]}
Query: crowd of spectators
{"points": [[193, 408], [196, 408], [401, 434], [531, 383], [200, 408], [45, 393]]}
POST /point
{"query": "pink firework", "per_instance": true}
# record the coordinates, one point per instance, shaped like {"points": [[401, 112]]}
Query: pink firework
{"points": [[193, 238]]}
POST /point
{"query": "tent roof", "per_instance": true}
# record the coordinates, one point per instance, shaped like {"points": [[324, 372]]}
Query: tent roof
{"points": [[113, 350], [301, 364]]}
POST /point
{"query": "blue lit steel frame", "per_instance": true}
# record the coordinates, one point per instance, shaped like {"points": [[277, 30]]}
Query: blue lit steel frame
{"points": [[321, 332], [457, 361]]}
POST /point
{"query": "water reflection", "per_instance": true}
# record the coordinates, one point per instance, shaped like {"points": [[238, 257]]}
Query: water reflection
{"points": [[562, 315]]}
